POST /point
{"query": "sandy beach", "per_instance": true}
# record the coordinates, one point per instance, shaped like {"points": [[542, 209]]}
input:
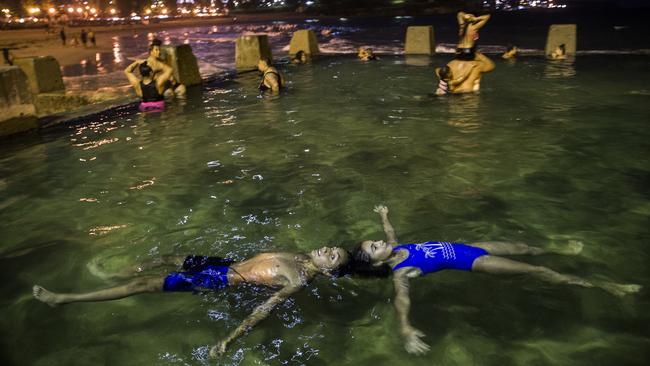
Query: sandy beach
{"points": [[37, 42]]}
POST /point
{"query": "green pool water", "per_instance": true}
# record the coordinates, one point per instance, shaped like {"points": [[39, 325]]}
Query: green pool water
{"points": [[546, 153]]}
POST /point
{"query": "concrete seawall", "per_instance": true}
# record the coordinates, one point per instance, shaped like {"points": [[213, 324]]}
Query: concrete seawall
{"points": [[16, 102]]}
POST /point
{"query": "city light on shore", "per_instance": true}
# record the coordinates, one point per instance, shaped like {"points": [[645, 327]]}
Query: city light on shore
{"points": [[112, 11]]}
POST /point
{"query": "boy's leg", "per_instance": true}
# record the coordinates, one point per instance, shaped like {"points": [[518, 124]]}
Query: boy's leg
{"points": [[134, 287]]}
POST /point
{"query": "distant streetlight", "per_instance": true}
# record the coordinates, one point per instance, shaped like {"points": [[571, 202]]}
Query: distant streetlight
{"points": [[113, 11], [70, 10], [93, 10], [79, 10], [51, 10]]}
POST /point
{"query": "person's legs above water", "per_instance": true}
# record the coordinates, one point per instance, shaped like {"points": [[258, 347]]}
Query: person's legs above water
{"points": [[134, 287], [498, 265], [505, 248]]}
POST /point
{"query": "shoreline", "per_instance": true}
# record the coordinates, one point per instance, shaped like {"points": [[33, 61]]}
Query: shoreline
{"points": [[37, 42]]}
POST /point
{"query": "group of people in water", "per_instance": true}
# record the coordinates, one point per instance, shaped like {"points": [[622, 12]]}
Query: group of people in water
{"points": [[290, 272], [156, 79], [460, 75]]}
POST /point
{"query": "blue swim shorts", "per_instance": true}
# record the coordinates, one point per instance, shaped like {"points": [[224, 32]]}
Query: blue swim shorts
{"points": [[209, 277]]}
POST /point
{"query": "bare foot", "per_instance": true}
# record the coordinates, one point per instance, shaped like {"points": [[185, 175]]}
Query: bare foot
{"points": [[573, 247], [45, 296], [620, 289]]}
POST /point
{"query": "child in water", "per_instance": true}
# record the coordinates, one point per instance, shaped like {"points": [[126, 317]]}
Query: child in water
{"points": [[408, 261]]}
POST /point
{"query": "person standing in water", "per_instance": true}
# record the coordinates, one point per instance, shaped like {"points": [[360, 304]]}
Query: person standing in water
{"points": [[288, 271], [149, 90], [156, 62], [271, 78], [448, 82], [409, 261], [463, 76]]}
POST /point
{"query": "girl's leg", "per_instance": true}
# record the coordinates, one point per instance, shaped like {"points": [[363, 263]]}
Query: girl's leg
{"points": [[134, 287], [498, 265], [505, 248]]}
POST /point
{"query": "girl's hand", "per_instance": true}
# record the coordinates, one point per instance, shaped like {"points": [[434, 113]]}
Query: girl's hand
{"points": [[381, 209]]}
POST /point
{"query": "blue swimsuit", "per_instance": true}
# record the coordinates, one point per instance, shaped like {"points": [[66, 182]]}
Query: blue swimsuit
{"points": [[201, 273], [435, 256]]}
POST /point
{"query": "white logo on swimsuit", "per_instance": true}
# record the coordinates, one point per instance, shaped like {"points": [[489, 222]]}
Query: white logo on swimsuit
{"points": [[431, 249]]}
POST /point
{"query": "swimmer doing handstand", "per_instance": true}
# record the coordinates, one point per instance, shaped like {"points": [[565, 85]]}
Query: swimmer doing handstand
{"points": [[288, 271], [413, 260]]}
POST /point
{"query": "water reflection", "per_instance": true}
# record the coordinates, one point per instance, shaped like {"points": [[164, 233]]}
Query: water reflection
{"points": [[117, 51], [558, 69], [418, 60], [464, 112]]}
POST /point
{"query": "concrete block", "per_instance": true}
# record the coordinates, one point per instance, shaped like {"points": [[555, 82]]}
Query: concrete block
{"points": [[52, 103], [249, 49], [418, 60], [16, 102], [419, 41], [304, 40], [43, 73], [559, 34], [182, 60]]}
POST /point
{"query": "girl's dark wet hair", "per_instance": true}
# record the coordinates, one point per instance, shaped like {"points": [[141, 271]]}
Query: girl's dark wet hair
{"points": [[360, 265], [145, 70], [562, 47]]}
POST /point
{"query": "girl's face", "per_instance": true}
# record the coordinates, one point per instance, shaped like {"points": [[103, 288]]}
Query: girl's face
{"points": [[377, 250]]}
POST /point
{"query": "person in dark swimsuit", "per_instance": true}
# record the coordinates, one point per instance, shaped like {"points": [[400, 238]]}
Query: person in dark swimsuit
{"points": [[413, 260], [148, 89], [155, 60], [287, 271], [271, 78]]}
